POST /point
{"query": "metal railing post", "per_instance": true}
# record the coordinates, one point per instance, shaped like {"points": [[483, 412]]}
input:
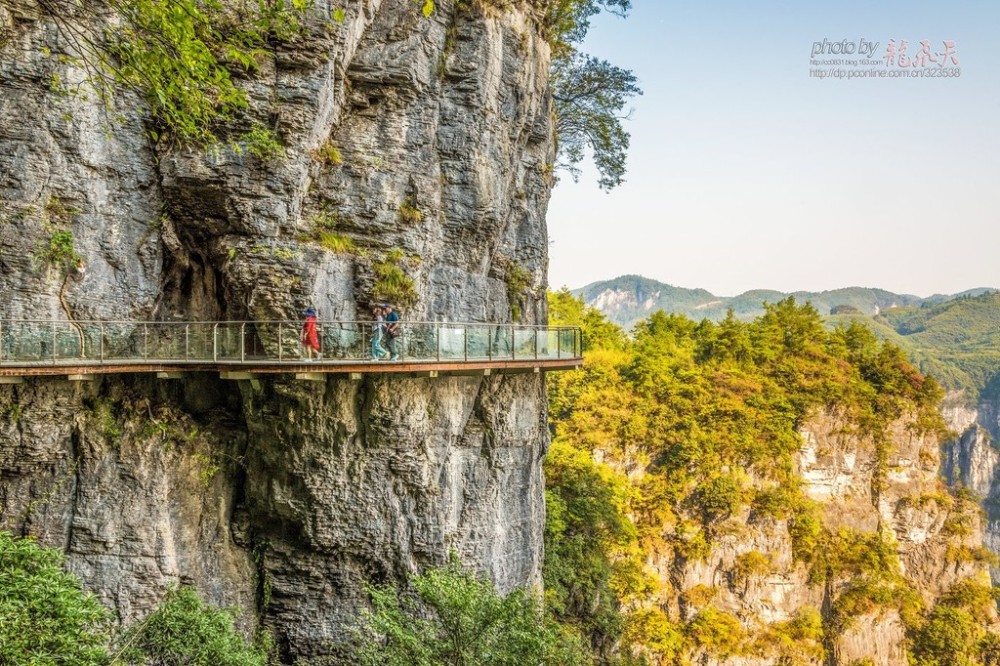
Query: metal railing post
{"points": [[489, 342], [2, 345], [53, 343], [243, 343], [437, 336], [513, 344], [559, 343], [536, 344], [215, 342], [465, 342], [101, 343], [145, 340], [280, 342], [187, 341]]}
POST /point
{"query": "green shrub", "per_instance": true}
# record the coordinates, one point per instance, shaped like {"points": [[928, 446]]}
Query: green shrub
{"points": [[183, 631], [972, 595], [338, 243], [866, 595], [263, 142], [327, 219], [457, 617], [329, 154], [807, 625], [698, 596], [796, 641], [59, 251], [979, 554], [716, 632], [690, 542], [518, 280], [719, 498], [45, 616], [408, 213], [324, 225], [391, 282], [748, 566], [652, 633], [951, 637], [958, 525]]}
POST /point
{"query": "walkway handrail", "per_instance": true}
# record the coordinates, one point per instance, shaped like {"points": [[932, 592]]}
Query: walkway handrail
{"points": [[100, 342]]}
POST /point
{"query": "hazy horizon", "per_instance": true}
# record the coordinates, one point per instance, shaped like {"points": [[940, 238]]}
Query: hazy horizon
{"points": [[745, 172], [784, 291]]}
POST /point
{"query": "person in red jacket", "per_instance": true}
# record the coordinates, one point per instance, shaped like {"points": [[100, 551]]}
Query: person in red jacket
{"points": [[310, 335]]}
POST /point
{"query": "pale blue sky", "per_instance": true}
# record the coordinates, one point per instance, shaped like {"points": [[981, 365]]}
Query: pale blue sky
{"points": [[744, 172]]}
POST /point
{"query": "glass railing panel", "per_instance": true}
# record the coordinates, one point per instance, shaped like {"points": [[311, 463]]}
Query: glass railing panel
{"points": [[199, 341], [227, 341], [548, 344], [479, 341], [524, 343], [69, 344], [91, 341], [121, 342], [260, 342], [343, 341], [502, 338], [452, 342], [567, 343], [27, 342], [164, 341], [288, 341]]}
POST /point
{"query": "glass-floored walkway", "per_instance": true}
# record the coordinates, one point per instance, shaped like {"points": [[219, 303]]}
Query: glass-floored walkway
{"points": [[243, 349]]}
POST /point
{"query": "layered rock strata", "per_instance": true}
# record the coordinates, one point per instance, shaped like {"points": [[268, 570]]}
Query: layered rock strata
{"points": [[424, 141]]}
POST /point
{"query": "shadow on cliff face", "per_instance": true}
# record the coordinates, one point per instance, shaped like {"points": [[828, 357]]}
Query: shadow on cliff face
{"points": [[349, 482], [135, 479]]}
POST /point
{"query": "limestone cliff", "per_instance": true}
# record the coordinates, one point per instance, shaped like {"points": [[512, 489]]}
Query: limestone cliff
{"points": [[751, 571], [277, 498], [971, 460]]}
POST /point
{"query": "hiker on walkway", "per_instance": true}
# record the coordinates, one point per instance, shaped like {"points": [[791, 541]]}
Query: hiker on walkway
{"points": [[391, 331], [378, 333], [310, 335]]}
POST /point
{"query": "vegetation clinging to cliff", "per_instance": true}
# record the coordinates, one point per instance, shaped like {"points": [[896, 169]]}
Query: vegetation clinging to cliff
{"points": [[181, 57], [686, 432], [44, 613], [456, 617], [47, 618]]}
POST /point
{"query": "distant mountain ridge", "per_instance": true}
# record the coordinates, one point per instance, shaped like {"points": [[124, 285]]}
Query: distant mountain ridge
{"points": [[630, 298]]}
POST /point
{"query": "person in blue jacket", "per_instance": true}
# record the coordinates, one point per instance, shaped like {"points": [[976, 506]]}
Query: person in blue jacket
{"points": [[391, 331]]}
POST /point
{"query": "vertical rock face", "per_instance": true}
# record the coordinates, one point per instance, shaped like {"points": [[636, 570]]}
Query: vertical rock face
{"points": [[840, 470], [971, 461], [372, 480], [427, 140]]}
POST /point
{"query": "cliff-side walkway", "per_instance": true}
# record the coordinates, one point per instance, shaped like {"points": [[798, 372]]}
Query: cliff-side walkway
{"points": [[244, 349]]}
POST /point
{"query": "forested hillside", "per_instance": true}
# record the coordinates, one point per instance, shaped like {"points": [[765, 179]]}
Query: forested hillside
{"points": [[957, 341], [954, 338], [630, 298], [757, 492]]}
